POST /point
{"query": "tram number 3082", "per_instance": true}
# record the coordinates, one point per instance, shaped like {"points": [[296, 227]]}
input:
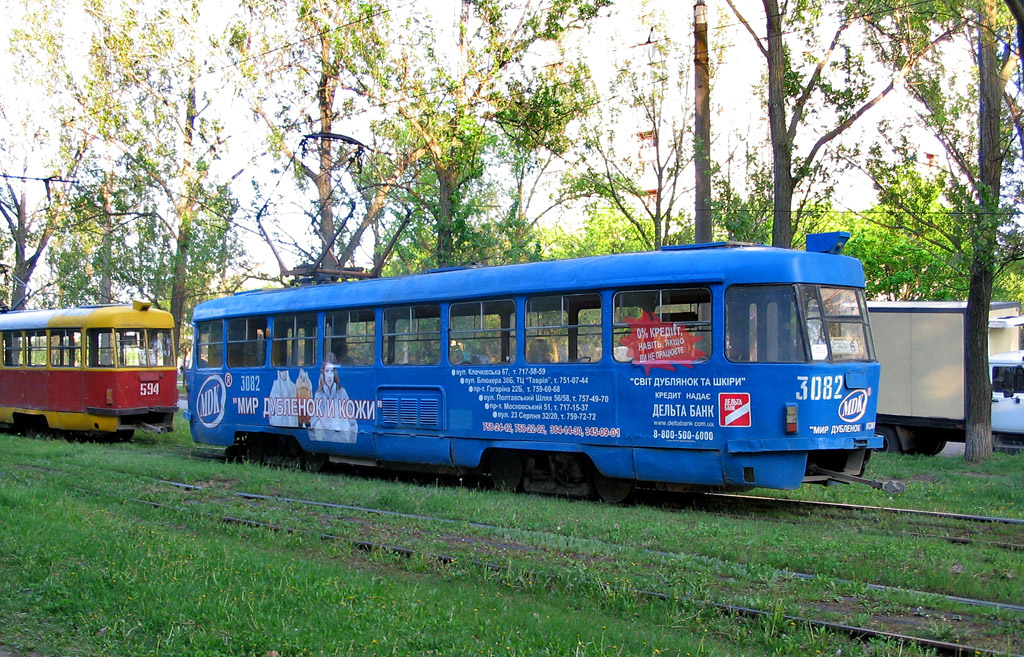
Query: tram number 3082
{"points": [[820, 388]]}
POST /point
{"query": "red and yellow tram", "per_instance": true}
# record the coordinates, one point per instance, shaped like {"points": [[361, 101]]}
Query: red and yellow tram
{"points": [[95, 370]]}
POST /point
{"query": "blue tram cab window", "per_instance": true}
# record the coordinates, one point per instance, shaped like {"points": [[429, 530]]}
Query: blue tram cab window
{"points": [[564, 329], [482, 332], [796, 323], [350, 337], [210, 344]]}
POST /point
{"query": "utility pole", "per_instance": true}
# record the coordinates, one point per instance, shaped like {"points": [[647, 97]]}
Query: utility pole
{"points": [[702, 129]]}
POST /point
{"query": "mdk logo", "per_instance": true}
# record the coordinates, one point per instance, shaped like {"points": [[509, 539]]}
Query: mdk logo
{"points": [[211, 401], [854, 406]]}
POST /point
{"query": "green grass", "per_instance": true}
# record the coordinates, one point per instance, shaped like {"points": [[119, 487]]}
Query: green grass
{"points": [[88, 569]]}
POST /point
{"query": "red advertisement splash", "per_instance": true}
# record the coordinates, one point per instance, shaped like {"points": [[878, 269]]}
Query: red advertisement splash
{"points": [[653, 343]]}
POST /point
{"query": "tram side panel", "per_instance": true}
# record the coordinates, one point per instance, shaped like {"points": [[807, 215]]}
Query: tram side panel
{"points": [[331, 417]]}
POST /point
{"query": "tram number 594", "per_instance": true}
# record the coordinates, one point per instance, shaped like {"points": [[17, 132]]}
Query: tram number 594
{"points": [[818, 388], [149, 389]]}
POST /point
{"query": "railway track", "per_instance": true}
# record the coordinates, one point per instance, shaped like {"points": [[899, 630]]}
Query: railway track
{"points": [[810, 504], [412, 550], [957, 528], [464, 537]]}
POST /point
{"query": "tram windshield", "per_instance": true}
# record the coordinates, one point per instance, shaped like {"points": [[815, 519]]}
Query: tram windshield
{"points": [[796, 323]]}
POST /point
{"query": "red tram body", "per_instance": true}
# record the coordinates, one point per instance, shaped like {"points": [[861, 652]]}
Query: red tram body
{"points": [[96, 370]]}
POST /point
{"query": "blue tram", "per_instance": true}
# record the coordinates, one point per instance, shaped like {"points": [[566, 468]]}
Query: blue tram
{"points": [[722, 366]]}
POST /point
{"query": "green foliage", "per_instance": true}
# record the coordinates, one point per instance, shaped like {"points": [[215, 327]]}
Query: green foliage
{"points": [[603, 232], [636, 143], [745, 218], [897, 265]]}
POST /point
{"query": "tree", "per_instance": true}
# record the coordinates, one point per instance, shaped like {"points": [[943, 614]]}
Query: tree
{"points": [[150, 114], [299, 89], [808, 92], [457, 105], [605, 231], [969, 119], [41, 148], [640, 174]]}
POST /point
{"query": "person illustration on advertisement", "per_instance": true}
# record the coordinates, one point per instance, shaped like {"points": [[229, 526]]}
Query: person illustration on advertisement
{"points": [[283, 388], [330, 425], [303, 391]]}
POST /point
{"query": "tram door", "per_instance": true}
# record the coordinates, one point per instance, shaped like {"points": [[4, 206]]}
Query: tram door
{"points": [[667, 402]]}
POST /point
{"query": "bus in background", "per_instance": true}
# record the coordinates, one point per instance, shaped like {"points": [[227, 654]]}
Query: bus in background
{"points": [[90, 371], [721, 366]]}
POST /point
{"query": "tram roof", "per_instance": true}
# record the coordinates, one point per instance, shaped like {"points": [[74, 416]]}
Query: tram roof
{"points": [[691, 265], [86, 317]]}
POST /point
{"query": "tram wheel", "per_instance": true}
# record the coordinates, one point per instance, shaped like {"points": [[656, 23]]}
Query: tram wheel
{"points": [[506, 471], [612, 490], [313, 462]]}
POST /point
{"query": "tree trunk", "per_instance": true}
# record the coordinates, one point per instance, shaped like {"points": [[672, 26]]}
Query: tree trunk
{"points": [[445, 251], [106, 291], [979, 388], [324, 179], [983, 234], [24, 263], [782, 149], [185, 209]]}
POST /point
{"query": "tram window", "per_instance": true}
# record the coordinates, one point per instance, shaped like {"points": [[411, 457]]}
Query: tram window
{"points": [[247, 342], [762, 325], [38, 345], [100, 347], [131, 348], [412, 335], [351, 335], [294, 341], [563, 329], [13, 341], [685, 313], [65, 348], [844, 312], [815, 323], [161, 347], [482, 332], [209, 344]]}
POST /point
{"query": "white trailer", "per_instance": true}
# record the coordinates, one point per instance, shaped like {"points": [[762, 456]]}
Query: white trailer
{"points": [[922, 400]]}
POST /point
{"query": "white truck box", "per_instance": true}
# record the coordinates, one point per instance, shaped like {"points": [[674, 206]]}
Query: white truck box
{"points": [[920, 345]]}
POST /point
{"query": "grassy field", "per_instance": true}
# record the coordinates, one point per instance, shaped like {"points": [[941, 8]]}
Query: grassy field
{"points": [[101, 555]]}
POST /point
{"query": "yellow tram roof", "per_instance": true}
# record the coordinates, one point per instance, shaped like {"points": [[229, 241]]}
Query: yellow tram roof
{"points": [[138, 315]]}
